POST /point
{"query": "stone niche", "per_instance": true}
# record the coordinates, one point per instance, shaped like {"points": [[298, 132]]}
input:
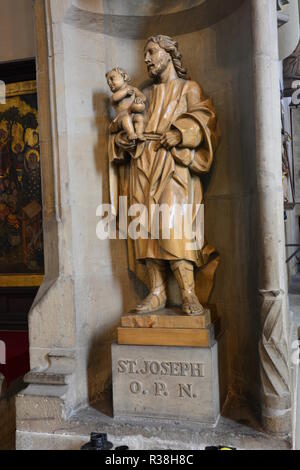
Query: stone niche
{"points": [[87, 284]]}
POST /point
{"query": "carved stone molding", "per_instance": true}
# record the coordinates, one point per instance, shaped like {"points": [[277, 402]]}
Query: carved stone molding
{"points": [[274, 367], [291, 70], [282, 17], [281, 3], [59, 371], [46, 397]]}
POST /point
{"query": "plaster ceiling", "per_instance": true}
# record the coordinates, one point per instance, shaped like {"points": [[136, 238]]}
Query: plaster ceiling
{"points": [[136, 7], [139, 19]]}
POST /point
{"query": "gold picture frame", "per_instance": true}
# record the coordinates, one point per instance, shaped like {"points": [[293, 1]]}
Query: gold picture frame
{"points": [[21, 236]]}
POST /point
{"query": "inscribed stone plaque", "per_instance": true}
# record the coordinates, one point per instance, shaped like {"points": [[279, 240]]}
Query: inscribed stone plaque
{"points": [[165, 382]]}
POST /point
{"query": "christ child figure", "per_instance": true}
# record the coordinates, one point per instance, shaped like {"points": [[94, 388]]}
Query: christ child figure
{"points": [[129, 103]]}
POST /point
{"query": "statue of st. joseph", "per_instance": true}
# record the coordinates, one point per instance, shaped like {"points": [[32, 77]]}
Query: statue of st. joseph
{"points": [[181, 138]]}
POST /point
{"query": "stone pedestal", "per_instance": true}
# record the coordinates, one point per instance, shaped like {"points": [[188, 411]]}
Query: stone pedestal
{"points": [[165, 382]]}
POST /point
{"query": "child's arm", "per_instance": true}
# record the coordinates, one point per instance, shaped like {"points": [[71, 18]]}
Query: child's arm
{"points": [[121, 94]]}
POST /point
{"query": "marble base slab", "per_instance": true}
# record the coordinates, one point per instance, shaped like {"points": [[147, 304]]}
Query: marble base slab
{"points": [[171, 383]]}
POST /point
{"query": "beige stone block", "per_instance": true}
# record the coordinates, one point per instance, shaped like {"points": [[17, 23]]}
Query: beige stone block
{"points": [[89, 168], [52, 320], [127, 54], [39, 413], [58, 9], [166, 382], [83, 78], [42, 441], [99, 316], [83, 44], [97, 255]]}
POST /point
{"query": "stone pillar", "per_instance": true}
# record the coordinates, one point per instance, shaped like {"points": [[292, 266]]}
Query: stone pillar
{"points": [[273, 346], [73, 319]]}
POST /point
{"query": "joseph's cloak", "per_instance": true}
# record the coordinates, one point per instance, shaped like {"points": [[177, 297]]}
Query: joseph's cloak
{"points": [[149, 174]]}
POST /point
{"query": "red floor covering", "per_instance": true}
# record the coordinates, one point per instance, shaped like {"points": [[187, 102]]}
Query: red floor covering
{"points": [[17, 354]]}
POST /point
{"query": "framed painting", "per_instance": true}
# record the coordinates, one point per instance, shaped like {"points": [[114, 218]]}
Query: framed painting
{"points": [[21, 229]]}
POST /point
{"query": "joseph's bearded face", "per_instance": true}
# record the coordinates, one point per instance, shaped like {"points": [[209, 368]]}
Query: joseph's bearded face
{"points": [[156, 59]]}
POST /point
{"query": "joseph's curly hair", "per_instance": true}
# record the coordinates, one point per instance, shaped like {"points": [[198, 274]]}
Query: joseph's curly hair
{"points": [[171, 46]]}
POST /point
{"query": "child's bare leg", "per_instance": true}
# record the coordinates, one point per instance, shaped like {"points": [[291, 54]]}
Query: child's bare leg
{"points": [[139, 126], [128, 127]]}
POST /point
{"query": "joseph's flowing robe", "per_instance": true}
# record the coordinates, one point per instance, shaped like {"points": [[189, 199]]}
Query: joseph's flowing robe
{"points": [[150, 174]]}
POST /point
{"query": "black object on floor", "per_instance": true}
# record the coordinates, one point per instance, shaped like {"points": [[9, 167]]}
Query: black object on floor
{"points": [[98, 441]]}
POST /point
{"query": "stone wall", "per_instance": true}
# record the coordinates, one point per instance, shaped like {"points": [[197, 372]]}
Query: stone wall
{"points": [[80, 312], [16, 30], [88, 286]]}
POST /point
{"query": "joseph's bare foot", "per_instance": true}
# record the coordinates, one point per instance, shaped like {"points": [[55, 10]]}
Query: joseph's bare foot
{"points": [[153, 302], [191, 305]]}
